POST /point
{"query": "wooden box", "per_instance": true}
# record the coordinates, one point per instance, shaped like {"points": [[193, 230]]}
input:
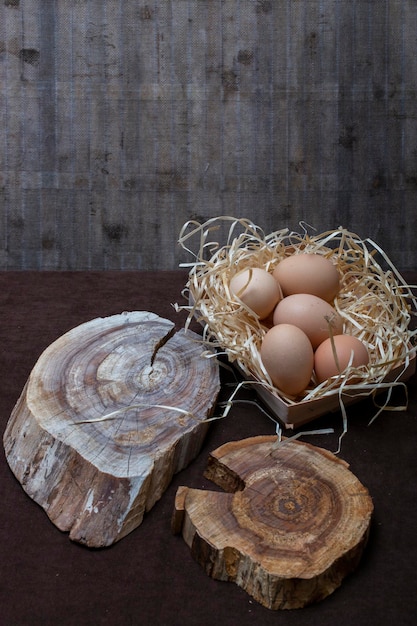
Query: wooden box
{"points": [[374, 300], [300, 413]]}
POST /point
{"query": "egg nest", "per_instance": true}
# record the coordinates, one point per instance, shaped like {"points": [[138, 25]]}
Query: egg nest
{"points": [[374, 302]]}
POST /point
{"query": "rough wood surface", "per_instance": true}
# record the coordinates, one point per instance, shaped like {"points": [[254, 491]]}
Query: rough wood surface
{"points": [[110, 412], [120, 125], [293, 523]]}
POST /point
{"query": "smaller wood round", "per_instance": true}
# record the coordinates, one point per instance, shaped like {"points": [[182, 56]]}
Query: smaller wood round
{"points": [[294, 523], [111, 410]]}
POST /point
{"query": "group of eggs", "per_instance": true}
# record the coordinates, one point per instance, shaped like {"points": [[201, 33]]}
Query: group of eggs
{"points": [[305, 333]]}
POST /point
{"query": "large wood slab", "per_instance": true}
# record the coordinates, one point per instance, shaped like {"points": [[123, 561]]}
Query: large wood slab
{"points": [[111, 410]]}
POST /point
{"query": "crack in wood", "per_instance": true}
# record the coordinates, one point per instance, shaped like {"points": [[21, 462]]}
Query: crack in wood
{"points": [[161, 343]]}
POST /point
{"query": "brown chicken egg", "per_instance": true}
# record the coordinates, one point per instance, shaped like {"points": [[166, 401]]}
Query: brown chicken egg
{"points": [[325, 365], [308, 273], [256, 288], [288, 357], [316, 317]]}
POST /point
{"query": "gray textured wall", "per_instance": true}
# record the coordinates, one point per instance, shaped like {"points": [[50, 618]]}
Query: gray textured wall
{"points": [[122, 120]]}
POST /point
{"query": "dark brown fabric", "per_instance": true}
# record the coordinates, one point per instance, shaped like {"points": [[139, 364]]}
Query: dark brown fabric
{"points": [[149, 577]]}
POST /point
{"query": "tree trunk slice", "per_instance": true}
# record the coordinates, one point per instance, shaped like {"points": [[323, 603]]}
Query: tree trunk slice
{"points": [[110, 412], [293, 523]]}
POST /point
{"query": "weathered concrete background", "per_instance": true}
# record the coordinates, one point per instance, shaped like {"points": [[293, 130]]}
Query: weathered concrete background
{"points": [[122, 120]]}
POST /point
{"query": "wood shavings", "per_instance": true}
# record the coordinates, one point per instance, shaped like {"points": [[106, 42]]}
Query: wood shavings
{"points": [[374, 301]]}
